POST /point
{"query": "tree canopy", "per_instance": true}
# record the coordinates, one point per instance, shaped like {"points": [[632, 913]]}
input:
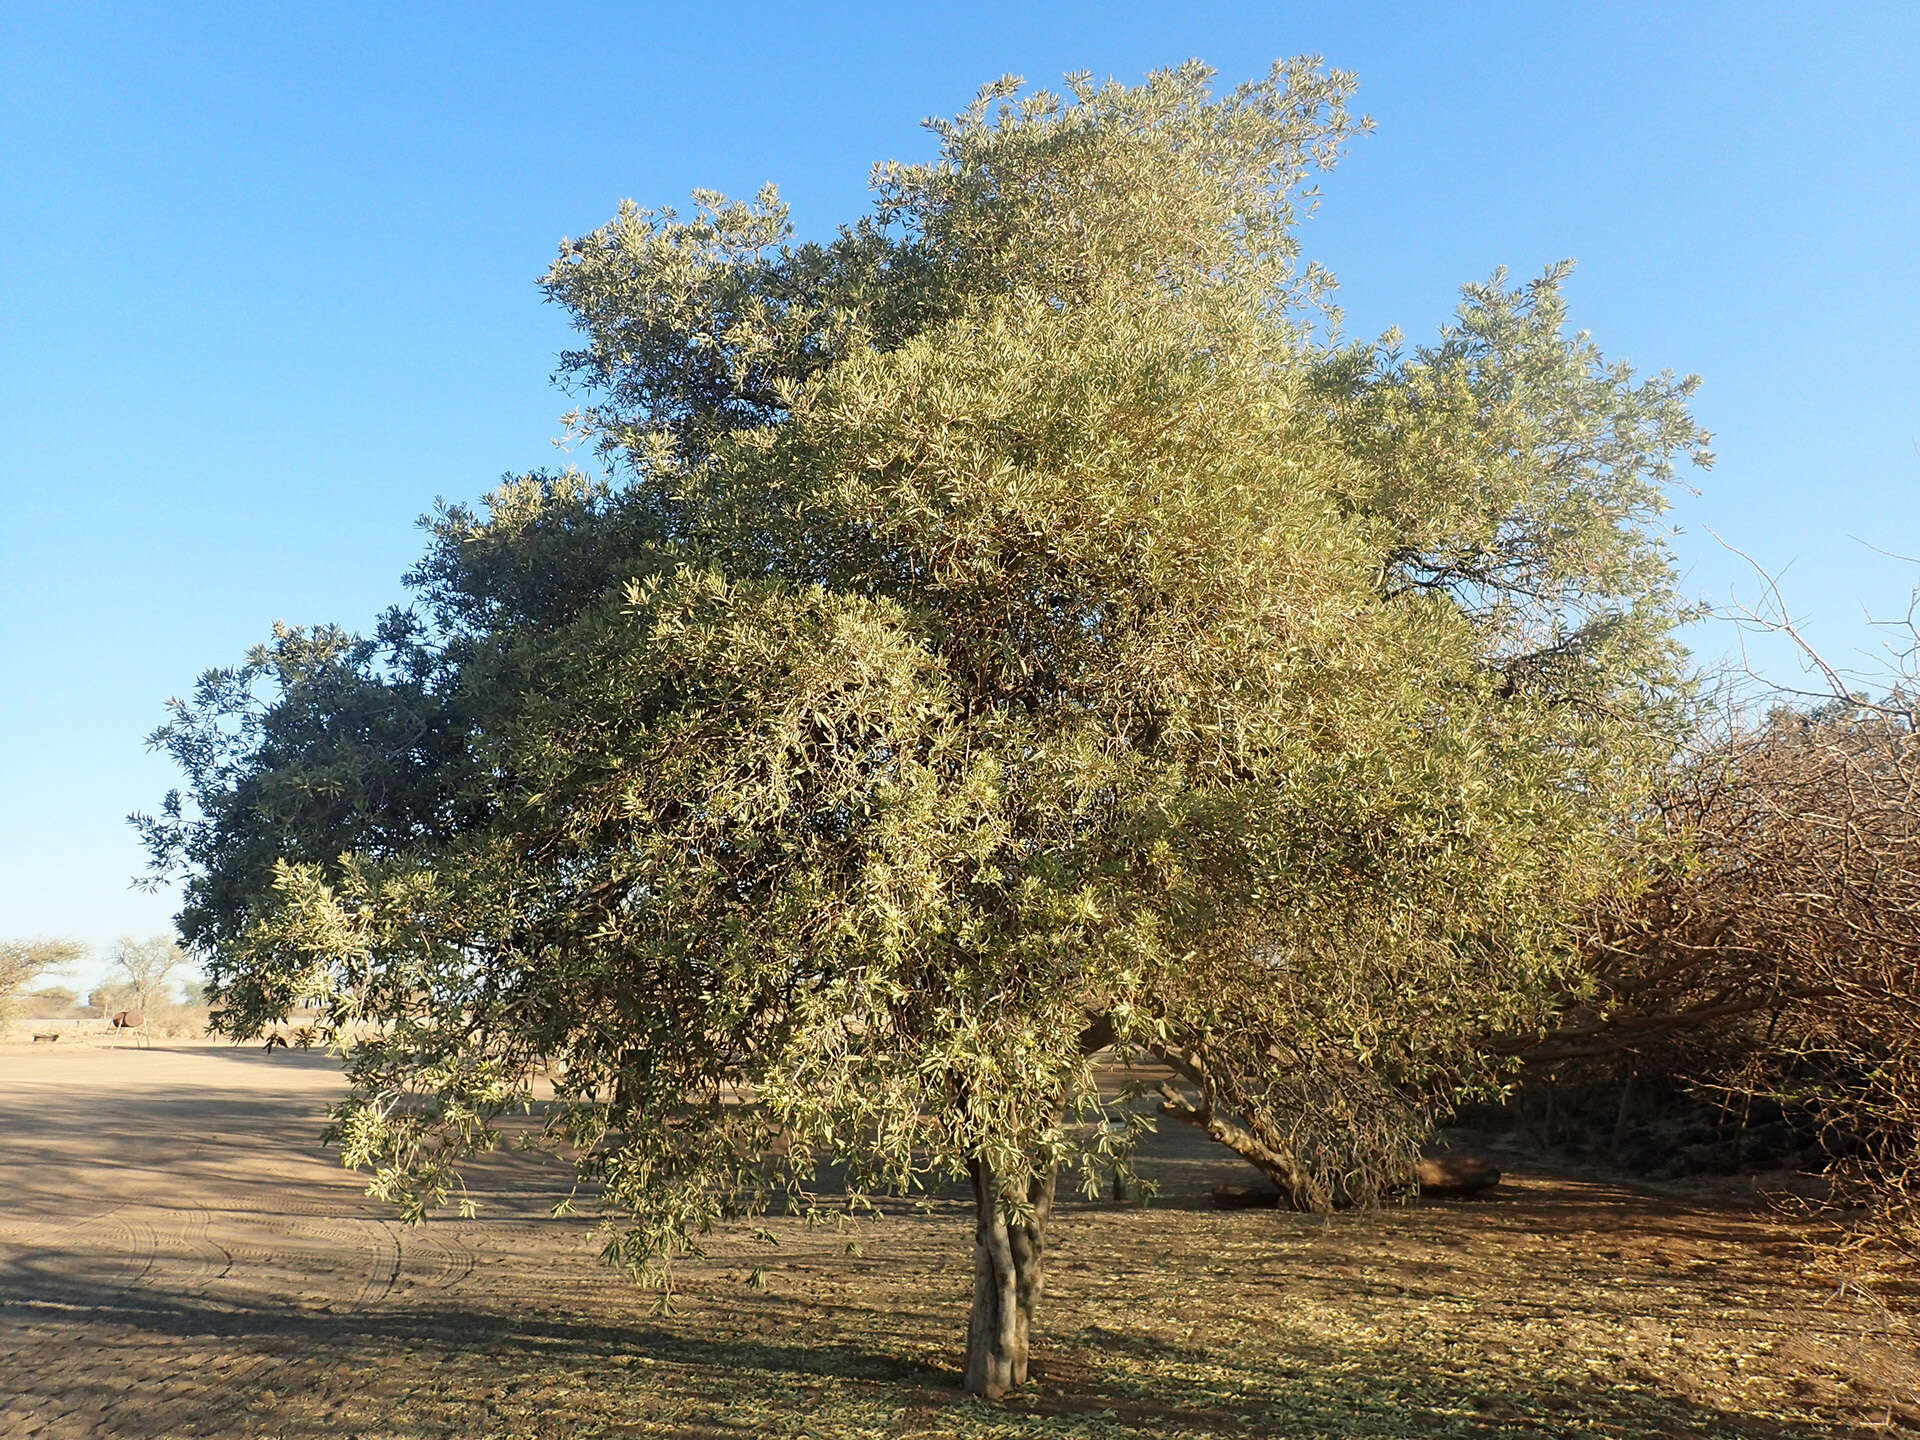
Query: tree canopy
{"points": [[141, 969], [1017, 627]]}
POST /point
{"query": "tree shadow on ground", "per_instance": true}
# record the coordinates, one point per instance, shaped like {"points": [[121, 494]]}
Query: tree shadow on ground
{"points": [[1431, 1321], [781, 1366], [1350, 1389]]}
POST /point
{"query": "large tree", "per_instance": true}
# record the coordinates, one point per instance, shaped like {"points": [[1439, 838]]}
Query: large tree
{"points": [[1010, 630]]}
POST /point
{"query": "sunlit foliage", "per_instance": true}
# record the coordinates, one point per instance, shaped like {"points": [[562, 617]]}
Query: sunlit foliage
{"points": [[1010, 629]]}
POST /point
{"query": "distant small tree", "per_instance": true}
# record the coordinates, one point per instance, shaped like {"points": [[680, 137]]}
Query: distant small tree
{"points": [[142, 969], [24, 961]]}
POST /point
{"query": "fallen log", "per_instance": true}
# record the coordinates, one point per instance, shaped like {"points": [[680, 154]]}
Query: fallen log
{"points": [[1455, 1175], [1244, 1197]]}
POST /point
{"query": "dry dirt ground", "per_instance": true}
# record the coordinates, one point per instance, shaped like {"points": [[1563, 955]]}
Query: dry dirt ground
{"points": [[178, 1256]]}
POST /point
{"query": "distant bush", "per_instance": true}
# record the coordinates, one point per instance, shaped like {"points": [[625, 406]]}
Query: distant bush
{"points": [[178, 1021], [50, 1002], [181, 1018], [24, 961]]}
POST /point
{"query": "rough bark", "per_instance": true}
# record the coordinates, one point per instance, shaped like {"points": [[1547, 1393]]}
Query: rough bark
{"points": [[1008, 1269]]}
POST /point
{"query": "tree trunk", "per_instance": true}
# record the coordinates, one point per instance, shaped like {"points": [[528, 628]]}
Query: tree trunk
{"points": [[1625, 1113], [1008, 1266]]}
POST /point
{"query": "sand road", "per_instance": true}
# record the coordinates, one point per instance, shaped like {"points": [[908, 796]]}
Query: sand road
{"points": [[173, 1237]]}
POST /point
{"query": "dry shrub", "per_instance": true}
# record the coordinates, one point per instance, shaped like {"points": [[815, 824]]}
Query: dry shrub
{"points": [[179, 1021], [1774, 954], [50, 1002], [24, 961]]}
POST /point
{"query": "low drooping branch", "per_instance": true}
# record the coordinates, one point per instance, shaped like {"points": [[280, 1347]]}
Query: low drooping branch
{"points": [[1275, 1166], [1619, 1033], [1263, 1152]]}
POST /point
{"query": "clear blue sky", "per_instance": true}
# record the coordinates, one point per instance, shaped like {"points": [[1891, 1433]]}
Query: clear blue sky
{"points": [[266, 283]]}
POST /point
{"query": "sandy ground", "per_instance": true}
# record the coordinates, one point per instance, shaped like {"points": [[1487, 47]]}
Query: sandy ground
{"points": [[172, 1233], [179, 1256]]}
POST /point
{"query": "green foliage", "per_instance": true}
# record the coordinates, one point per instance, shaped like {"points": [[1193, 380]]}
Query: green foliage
{"points": [[320, 743], [1003, 630]]}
